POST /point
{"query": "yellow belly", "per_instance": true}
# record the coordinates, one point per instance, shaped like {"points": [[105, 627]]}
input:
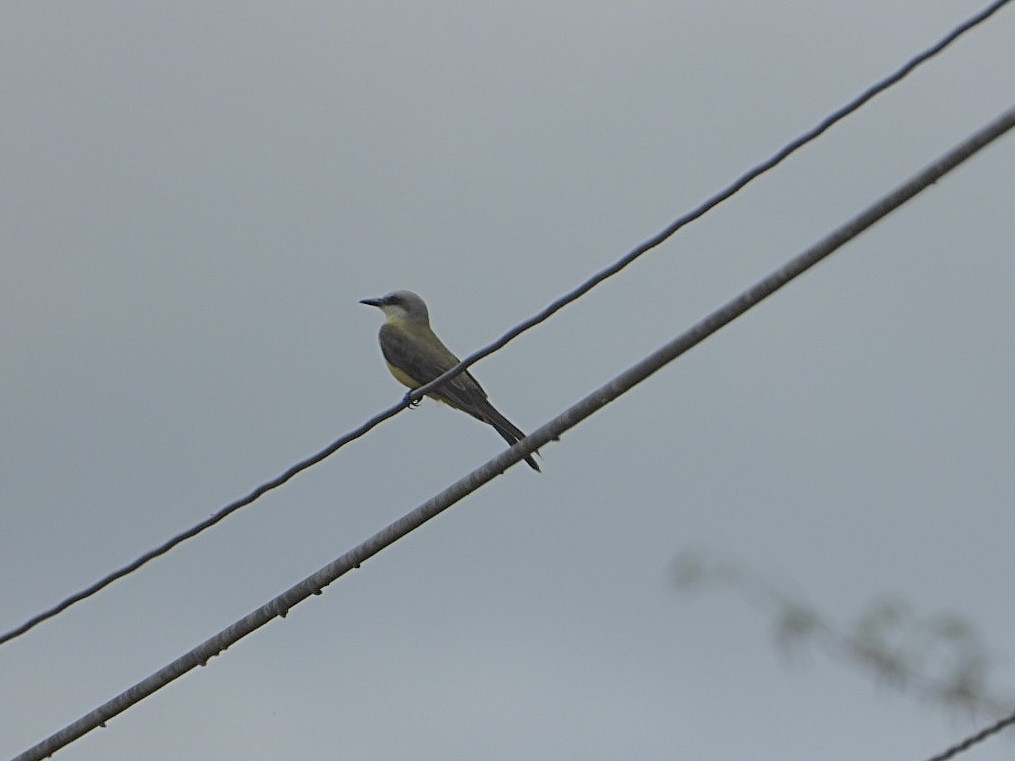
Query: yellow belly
{"points": [[411, 382], [402, 378]]}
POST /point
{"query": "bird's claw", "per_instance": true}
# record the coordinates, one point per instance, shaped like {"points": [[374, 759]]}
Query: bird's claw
{"points": [[413, 403]]}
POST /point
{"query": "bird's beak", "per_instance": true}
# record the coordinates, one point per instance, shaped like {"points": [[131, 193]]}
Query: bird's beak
{"points": [[371, 302]]}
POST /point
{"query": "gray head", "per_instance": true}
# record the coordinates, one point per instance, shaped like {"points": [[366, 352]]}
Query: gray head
{"points": [[401, 305]]}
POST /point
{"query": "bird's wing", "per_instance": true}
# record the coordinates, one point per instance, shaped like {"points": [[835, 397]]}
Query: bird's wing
{"points": [[423, 357]]}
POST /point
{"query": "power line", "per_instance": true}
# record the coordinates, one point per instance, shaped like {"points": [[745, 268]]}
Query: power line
{"points": [[723, 195], [551, 431], [520, 328], [972, 740]]}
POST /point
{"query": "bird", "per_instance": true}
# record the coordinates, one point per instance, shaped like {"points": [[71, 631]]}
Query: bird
{"points": [[415, 356]]}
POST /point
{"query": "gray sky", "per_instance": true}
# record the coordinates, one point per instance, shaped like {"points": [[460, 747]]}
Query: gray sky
{"points": [[194, 199]]}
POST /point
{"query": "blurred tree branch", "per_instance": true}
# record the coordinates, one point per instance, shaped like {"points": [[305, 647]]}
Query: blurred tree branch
{"points": [[941, 658]]}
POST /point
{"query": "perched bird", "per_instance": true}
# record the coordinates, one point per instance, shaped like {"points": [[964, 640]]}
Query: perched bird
{"points": [[415, 356]]}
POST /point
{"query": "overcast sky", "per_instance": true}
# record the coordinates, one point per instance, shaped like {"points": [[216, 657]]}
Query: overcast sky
{"points": [[195, 197]]}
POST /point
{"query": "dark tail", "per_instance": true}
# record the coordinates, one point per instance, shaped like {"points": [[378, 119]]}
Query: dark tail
{"points": [[508, 431]]}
